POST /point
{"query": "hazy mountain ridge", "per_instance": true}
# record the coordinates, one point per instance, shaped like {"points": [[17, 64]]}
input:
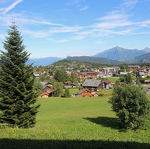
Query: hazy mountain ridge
{"points": [[145, 58], [43, 61], [117, 53], [115, 56], [101, 60]]}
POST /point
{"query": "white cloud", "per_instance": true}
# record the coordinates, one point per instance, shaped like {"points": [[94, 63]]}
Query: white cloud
{"points": [[63, 40], [36, 22], [65, 29], [113, 16], [129, 3], [11, 6], [112, 24], [86, 7]]}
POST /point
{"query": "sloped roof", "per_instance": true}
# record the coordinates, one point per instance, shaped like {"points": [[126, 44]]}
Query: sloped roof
{"points": [[93, 93], [44, 84], [91, 83], [81, 91], [106, 81], [36, 75]]}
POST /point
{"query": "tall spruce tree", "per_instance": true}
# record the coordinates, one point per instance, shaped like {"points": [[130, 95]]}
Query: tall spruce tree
{"points": [[18, 96]]}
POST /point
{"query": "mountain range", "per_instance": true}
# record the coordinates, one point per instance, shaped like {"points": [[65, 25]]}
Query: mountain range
{"points": [[116, 55], [101, 60], [43, 61], [145, 58]]}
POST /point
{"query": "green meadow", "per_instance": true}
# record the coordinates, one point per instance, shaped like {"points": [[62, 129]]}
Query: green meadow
{"points": [[74, 123], [112, 79]]}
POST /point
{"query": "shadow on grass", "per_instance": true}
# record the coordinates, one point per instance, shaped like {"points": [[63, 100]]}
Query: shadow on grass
{"points": [[107, 122], [69, 144]]}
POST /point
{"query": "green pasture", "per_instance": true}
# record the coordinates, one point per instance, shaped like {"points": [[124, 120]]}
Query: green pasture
{"points": [[112, 79], [74, 123], [73, 91], [106, 92]]}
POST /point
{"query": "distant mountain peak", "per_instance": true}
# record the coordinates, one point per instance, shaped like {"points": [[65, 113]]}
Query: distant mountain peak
{"points": [[117, 53]]}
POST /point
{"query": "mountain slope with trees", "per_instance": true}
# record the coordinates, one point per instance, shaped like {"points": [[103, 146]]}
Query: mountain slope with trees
{"points": [[101, 60], [145, 58], [117, 53]]}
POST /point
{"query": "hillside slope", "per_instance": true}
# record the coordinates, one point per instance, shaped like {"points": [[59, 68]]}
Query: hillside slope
{"points": [[145, 58], [117, 53], [101, 60]]}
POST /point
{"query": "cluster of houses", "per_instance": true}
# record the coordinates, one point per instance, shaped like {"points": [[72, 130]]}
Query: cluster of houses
{"points": [[94, 73], [93, 82], [88, 87]]}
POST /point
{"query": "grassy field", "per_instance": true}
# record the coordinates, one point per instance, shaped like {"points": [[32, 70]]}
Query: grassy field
{"points": [[73, 91], [106, 92], [112, 79], [74, 123]]}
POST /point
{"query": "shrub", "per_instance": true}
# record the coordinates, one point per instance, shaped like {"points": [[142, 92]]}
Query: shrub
{"points": [[131, 105], [101, 95], [67, 93]]}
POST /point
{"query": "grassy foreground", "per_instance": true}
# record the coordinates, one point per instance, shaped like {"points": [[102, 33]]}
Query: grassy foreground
{"points": [[74, 123]]}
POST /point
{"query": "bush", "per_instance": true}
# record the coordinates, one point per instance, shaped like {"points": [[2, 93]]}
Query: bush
{"points": [[67, 93], [101, 95], [131, 105]]}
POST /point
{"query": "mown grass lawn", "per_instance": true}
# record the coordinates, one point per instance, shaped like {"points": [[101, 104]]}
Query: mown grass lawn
{"points": [[73, 91], [112, 79], [106, 92], [75, 123]]}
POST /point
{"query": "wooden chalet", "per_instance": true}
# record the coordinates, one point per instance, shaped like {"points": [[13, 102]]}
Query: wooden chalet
{"points": [[84, 92], [106, 84], [47, 93], [93, 84], [94, 94], [47, 89], [147, 81]]}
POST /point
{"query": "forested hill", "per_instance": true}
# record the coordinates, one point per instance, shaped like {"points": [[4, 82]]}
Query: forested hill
{"points": [[100, 60], [145, 58]]}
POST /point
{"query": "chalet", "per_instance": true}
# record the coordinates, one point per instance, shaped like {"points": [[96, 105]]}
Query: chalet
{"points": [[93, 84], [84, 92], [47, 93], [68, 73], [108, 70], [94, 94], [134, 66], [36, 75], [147, 81], [67, 82], [107, 84], [143, 74], [88, 74]]}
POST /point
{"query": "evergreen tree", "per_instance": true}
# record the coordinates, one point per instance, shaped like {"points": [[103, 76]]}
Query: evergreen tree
{"points": [[131, 105], [67, 93], [18, 96], [57, 86], [128, 78], [60, 75]]}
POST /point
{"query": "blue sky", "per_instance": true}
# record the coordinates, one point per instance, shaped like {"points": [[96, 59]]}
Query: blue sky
{"points": [[61, 28]]}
